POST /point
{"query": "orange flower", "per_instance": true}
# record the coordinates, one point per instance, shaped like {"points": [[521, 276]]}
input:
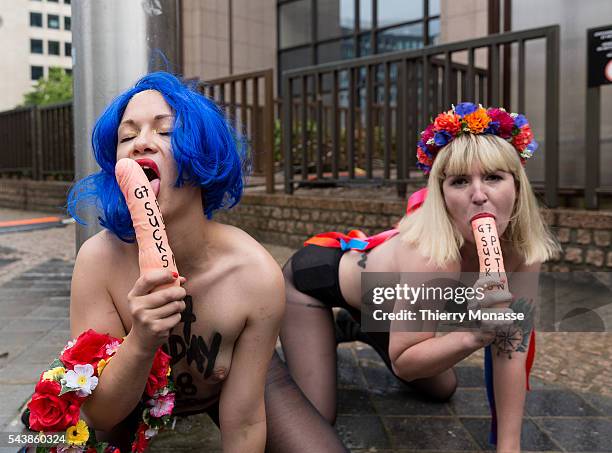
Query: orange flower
{"points": [[477, 121], [449, 122]]}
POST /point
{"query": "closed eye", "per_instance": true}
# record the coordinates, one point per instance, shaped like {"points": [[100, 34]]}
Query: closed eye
{"points": [[126, 139]]}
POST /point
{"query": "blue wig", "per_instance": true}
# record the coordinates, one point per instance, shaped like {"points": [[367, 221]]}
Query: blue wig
{"points": [[208, 151]]}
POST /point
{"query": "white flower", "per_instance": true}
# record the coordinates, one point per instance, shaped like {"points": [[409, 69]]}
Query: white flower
{"points": [[151, 432], [70, 344], [81, 378]]}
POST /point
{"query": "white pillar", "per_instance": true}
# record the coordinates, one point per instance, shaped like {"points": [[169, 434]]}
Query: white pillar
{"points": [[114, 43]]}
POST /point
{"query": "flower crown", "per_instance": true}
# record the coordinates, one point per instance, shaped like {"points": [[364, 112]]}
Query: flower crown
{"points": [[467, 117], [71, 379]]}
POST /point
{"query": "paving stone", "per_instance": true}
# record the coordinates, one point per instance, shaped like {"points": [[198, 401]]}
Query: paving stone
{"points": [[6, 261], [353, 401], [469, 376], [197, 430], [557, 403], [45, 311], [379, 379], [470, 401], [13, 397], [532, 437], [600, 402], [362, 431], [579, 434], [39, 354], [420, 433], [29, 325], [18, 374], [407, 403], [349, 374]]}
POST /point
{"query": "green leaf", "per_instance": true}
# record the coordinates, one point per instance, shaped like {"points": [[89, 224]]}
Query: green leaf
{"points": [[66, 390], [56, 88], [56, 363]]}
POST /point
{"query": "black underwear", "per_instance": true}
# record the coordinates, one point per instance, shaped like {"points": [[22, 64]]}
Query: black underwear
{"points": [[315, 272]]}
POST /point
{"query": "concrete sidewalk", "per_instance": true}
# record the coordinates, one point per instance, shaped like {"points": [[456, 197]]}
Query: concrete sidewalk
{"points": [[376, 412]]}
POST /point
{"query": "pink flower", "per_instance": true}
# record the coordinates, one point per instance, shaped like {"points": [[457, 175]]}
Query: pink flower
{"points": [[162, 405], [506, 122], [111, 348], [428, 133]]}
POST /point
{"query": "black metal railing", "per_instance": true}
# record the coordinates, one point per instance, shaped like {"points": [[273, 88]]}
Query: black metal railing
{"points": [[37, 142], [357, 121]]}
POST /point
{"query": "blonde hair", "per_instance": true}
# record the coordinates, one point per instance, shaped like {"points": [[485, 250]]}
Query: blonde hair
{"points": [[430, 227]]}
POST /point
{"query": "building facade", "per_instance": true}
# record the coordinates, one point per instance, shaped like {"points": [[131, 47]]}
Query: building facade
{"points": [[36, 36]]}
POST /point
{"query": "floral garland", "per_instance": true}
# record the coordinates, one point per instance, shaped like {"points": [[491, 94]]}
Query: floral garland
{"points": [[71, 379], [467, 117]]}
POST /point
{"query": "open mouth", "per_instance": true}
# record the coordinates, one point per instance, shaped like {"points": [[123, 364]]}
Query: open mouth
{"points": [[152, 173]]}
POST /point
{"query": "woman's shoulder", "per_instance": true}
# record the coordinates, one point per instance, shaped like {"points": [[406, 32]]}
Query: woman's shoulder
{"points": [[104, 247]]}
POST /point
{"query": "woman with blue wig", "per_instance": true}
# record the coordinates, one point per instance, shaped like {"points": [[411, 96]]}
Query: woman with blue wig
{"points": [[221, 323]]}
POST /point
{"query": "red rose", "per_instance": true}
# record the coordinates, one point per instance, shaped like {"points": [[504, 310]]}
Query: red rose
{"points": [[89, 347], [140, 442], [49, 412], [158, 376], [506, 122], [523, 138]]}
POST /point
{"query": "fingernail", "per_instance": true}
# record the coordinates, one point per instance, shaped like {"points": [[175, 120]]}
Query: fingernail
{"points": [[175, 274]]}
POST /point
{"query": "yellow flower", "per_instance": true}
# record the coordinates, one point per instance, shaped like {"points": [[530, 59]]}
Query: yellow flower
{"points": [[477, 121], [169, 371], [102, 363], [77, 434], [54, 374]]}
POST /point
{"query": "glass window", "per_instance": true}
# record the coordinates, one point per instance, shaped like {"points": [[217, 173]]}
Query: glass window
{"points": [[395, 11], [434, 32], [36, 46], [68, 71], [36, 72], [296, 58], [340, 49], [365, 45], [295, 27], [36, 19], [68, 49], [434, 7], [52, 1], [400, 38], [365, 14], [67, 2], [67, 23], [335, 18], [53, 47], [53, 21]]}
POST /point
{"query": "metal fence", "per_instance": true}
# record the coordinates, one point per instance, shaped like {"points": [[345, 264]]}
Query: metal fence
{"points": [[357, 121], [248, 101], [37, 142]]}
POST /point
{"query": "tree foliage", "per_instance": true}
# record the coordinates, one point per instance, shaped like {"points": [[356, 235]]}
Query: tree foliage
{"points": [[57, 87]]}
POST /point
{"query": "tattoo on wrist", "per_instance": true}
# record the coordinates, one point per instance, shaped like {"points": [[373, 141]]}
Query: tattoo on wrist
{"points": [[515, 338]]}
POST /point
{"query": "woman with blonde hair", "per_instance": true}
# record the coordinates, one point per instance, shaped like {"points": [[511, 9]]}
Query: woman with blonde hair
{"points": [[474, 158]]}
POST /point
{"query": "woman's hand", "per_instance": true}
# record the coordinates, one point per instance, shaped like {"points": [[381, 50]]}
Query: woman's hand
{"points": [[155, 312], [496, 299]]}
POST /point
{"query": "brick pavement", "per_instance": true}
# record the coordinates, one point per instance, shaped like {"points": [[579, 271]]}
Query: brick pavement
{"points": [[566, 411]]}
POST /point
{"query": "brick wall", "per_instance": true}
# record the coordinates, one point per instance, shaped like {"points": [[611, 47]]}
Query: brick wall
{"points": [[46, 196], [289, 220], [586, 236]]}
